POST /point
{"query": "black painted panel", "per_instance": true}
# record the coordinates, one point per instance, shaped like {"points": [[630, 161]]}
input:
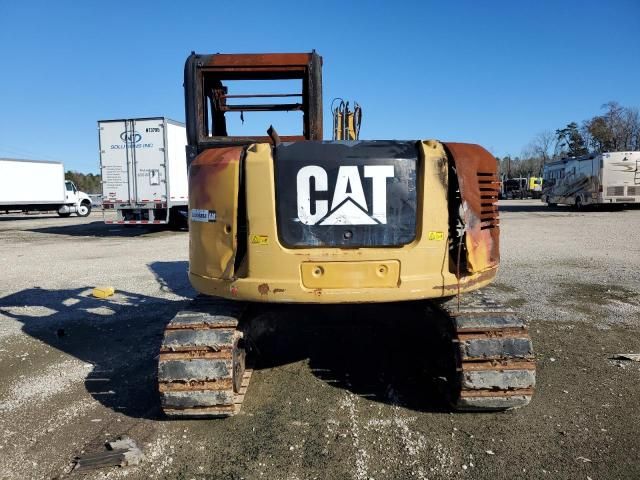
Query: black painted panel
{"points": [[346, 194]]}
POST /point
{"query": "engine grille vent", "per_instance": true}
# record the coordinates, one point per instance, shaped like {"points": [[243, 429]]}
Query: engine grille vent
{"points": [[489, 189], [615, 191], [633, 190]]}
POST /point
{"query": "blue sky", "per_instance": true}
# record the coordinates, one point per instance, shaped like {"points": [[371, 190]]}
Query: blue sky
{"points": [[493, 73]]}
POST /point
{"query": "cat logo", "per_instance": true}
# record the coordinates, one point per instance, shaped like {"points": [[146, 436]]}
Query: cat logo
{"points": [[348, 204]]}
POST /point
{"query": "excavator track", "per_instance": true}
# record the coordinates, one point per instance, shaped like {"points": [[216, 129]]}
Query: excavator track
{"points": [[202, 363], [495, 363]]}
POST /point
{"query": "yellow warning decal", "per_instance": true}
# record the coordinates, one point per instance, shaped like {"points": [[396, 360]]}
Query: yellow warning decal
{"points": [[260, 239], [436, 236]]}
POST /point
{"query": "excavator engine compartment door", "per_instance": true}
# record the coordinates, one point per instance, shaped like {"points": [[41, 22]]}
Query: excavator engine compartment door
{"points": [[214, 183], [347, 194], [479, 186]]}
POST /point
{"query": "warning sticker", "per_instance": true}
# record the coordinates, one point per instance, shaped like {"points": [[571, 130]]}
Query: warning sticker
{"points": [[436, 236], [260, 239], [199, 215]]}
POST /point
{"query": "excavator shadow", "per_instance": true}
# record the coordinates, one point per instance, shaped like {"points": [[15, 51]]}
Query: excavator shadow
{"points": [[381, 352], [172, 277], [18, 217], [390, 353], [117, 337], [100, 229]]}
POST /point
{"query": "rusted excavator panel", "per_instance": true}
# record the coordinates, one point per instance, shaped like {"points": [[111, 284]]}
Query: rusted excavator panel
{"points": [[260, 60], [479, 186], [214, 179]]}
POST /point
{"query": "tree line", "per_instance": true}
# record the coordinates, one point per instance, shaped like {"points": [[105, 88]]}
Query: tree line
{"points": [[85, 182], [616, 129]]}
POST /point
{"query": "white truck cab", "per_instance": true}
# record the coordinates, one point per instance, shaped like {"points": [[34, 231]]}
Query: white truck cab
{"points": [[75, 201]]}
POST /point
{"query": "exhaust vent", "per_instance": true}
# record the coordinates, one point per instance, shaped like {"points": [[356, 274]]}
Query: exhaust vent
{"points": [[489, 189]]}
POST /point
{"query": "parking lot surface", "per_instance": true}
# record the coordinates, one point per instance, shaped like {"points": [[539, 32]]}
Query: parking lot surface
{"points": [[338, 393]]}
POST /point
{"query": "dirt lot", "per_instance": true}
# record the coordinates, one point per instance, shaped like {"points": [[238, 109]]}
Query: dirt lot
{"points": [[338, 393]]}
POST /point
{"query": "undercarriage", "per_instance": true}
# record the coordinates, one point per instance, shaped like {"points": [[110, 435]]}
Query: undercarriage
{"points": [[205, 361]]}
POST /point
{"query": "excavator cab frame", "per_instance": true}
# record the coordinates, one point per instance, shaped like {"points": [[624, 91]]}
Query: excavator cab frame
{"points": [[206, 95]]}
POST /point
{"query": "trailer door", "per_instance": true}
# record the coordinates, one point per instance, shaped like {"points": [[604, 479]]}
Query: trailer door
{"points": [[150, 179], [116, 161]]}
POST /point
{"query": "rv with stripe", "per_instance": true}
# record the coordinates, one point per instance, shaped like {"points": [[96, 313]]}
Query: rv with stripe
{"points": [[602, 179]]}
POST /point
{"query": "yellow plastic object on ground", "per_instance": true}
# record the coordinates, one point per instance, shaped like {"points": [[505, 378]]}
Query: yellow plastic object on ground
{"points": [[103, 292]]}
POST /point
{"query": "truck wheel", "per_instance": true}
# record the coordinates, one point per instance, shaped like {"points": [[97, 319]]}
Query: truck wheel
{"points": [[84, 209], [64, 215], [578, 205], [178, 219]]}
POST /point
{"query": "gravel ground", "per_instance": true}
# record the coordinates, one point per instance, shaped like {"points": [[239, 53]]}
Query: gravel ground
{"points": [[338, 392]]}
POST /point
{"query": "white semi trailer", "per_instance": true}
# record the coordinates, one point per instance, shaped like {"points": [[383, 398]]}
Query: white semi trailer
{"points": [[606, 178], [144, 171], [36, 185]]}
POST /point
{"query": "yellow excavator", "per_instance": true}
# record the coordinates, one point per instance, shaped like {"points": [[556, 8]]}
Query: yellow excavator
{"points": [[295, 219]]}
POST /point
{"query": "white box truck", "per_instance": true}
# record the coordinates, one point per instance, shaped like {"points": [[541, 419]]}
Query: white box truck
{"points": [[144, 171], [36, 185]]}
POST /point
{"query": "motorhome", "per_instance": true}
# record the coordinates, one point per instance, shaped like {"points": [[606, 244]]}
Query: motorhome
{"points": [[606, 178]]}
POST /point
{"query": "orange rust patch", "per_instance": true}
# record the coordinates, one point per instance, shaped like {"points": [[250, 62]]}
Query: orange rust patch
{"points": [[499, 365], [195, 385], [479, 188], [466, 282], [497, 393], [502, 333], [205, 170], [257, 60], [166, 355]]}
